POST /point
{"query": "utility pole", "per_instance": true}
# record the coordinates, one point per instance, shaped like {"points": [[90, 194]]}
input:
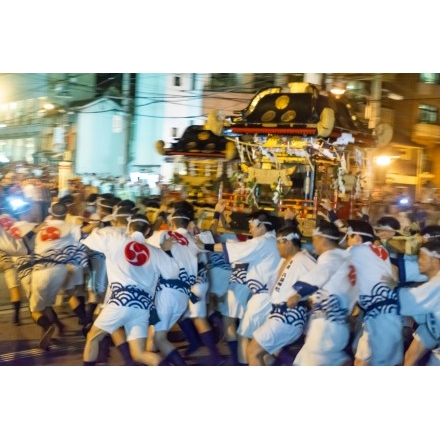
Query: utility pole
{"points": [[126, 106], [375, 101]]}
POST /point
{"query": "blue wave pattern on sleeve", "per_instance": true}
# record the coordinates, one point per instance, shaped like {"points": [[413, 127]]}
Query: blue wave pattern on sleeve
{"points": [[80, 256], [382, 300], [304, 289], [217, 259], [239, 272], [330, 308], [202, 274], [256, 287], [296, 316]]}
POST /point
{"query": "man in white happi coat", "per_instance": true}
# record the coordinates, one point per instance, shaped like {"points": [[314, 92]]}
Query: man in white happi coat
{"points": [[254, 262], [424, 300], [283, 326], [174, 292], [330, 291], [380, 339], [55, 258], [11, 245], [134, 268]]}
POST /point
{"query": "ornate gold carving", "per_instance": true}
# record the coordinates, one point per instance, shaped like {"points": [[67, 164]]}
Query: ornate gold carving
{"points": [[203, 135], [268, 116], [282, 102], [288, 116]]}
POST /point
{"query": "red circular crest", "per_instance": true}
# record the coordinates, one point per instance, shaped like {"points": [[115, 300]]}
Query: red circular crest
{"points": [[352, 275], [6, 223], [136, 253], [50, 233], [380, 251], [15, 232], [178, 238]]}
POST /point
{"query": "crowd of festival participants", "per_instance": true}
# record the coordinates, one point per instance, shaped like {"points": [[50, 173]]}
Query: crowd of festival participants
{"points": [[360, 294]]}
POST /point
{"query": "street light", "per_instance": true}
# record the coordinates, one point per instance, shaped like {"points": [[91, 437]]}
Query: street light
{"points": [[337, 88], [384, 161]]}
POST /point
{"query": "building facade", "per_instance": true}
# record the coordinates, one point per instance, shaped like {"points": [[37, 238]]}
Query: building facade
{"points": [[34, 120], [42, 120]]}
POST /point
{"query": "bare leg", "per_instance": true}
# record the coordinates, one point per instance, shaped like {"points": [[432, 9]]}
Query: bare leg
{"points": [[162, 343], [202, 325], [15, 295], [139, 354], [91, 349], [255, 353], [415, 352], [119, 336], [151, 346], [168, 350], [359, 363], [14, 292], [230, 328], [242, 347]]}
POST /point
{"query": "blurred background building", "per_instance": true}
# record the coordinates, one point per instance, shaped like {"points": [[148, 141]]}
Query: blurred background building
{"points": [[109, 124]]}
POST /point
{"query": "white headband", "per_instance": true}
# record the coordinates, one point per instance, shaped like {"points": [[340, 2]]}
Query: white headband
{"points": [[258, 222], [140, 220], [365, 234], [104, 205], [289, 237], [120, 215], [429, 236], [180, 216], [321, 234], [384, 228], [350, 231], [433, 254]]}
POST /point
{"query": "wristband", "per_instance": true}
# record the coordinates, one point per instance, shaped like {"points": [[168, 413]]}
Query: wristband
{"points": [[304, 289], [209, 247], [30, 234], [217, 215]]}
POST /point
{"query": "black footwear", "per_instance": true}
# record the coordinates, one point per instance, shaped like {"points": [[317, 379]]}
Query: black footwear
{"points": [[216, 321], [16, 321], [191, 349], [86, 329], [104, 351], [44, 341], [61, 328], [218, 361]]}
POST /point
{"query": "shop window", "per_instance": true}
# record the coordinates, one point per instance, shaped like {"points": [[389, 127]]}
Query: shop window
{"points": [[264, 80], [223, 81], [428, 114], [430, 78]]}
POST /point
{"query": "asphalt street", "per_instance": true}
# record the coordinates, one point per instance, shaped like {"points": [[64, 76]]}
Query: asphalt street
{"points": [[19, 344]]}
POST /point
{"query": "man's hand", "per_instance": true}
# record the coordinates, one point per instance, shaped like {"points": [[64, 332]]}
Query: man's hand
{"points": [[290, 214], [167, 244], [220, 206], [199, 243], [325, 203], [293, 300]]}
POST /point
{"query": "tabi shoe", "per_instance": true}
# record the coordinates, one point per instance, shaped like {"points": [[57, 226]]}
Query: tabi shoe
{"points": [[44, 341]]}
